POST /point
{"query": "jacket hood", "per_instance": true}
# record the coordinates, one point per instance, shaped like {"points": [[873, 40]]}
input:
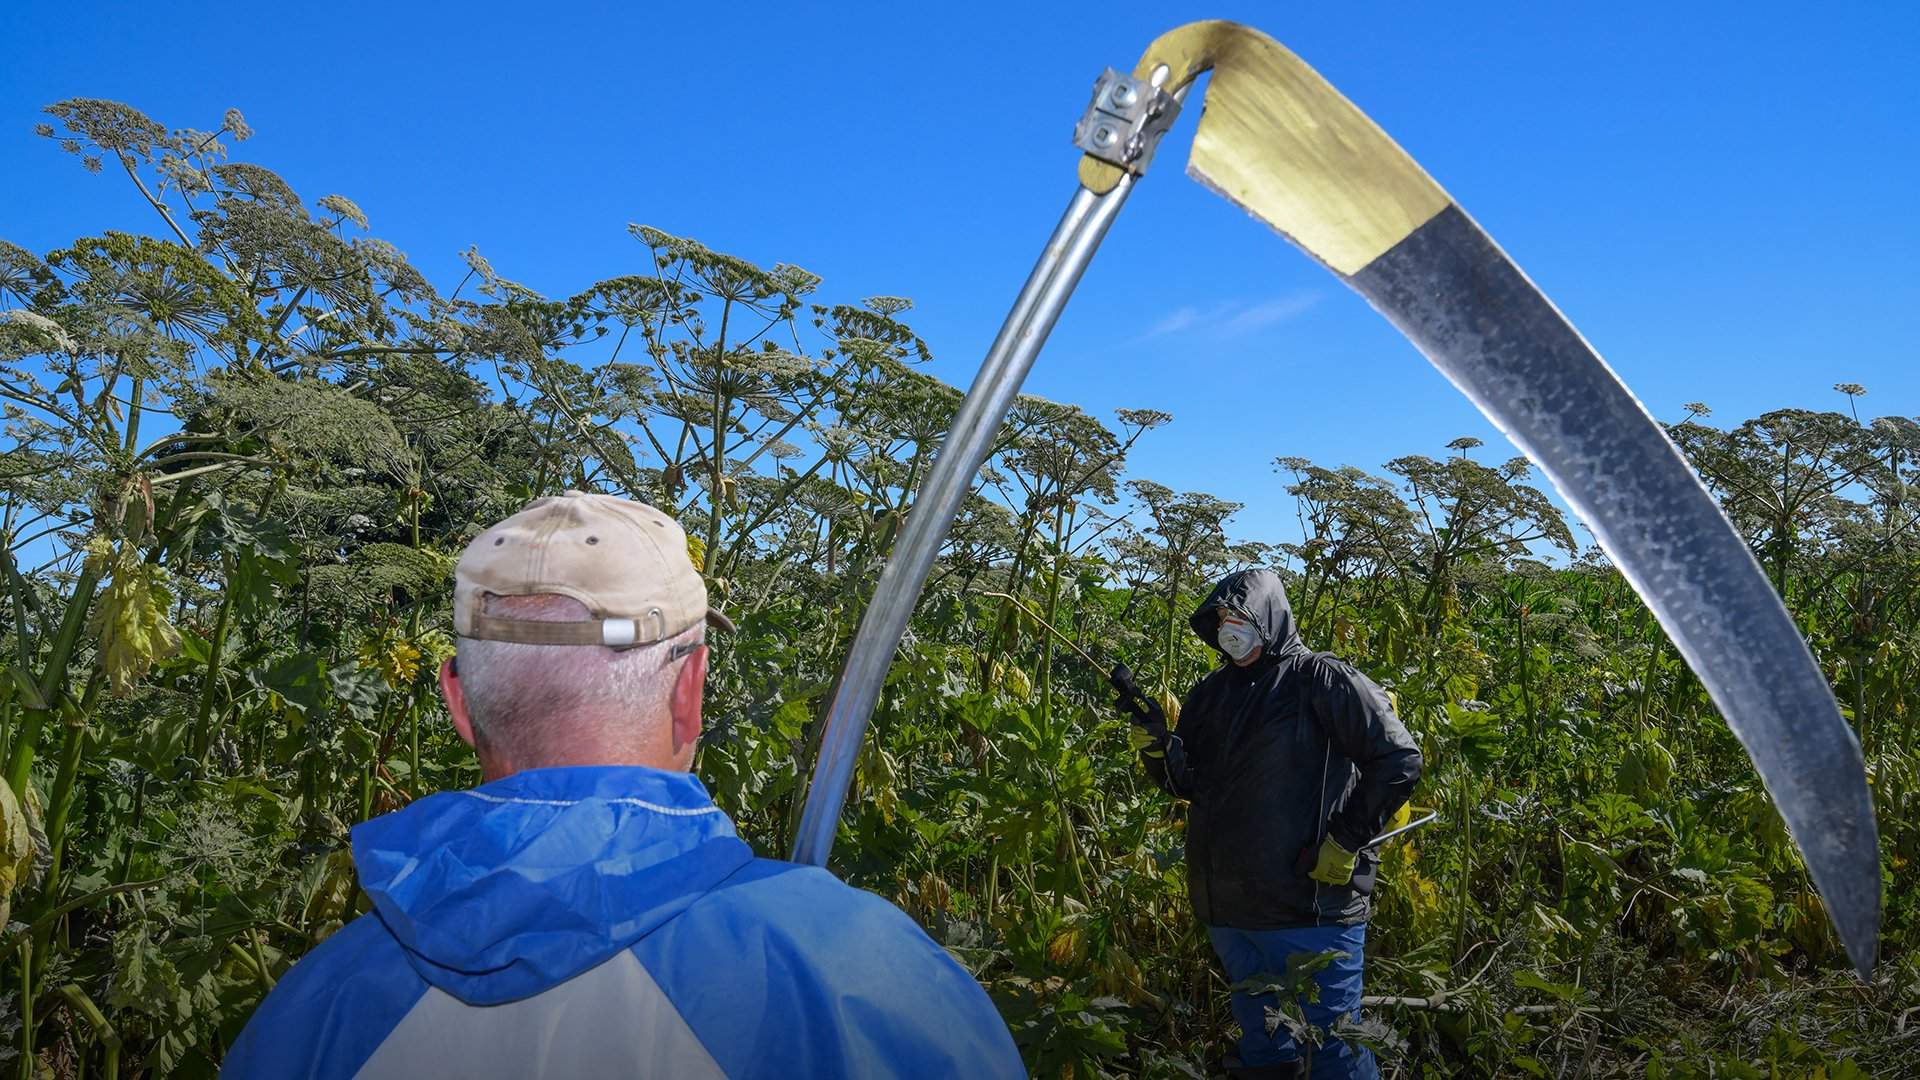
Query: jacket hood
{"points": [[1259, 596], [503, 891]]}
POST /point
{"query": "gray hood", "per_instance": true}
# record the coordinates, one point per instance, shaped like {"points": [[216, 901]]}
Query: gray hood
{"points": [[1259, 596]]}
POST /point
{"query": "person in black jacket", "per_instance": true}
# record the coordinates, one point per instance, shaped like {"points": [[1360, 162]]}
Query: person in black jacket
{"points": [[1291, 761]]}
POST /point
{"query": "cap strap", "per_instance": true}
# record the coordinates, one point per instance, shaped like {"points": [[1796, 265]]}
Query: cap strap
{"points": [[614, 633]]}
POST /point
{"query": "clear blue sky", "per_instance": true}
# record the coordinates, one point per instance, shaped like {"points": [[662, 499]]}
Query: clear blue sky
{"points": [[1720, 195]]}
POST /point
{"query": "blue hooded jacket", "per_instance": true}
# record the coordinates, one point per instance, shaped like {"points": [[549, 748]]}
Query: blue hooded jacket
{"points": [[607, 922]]}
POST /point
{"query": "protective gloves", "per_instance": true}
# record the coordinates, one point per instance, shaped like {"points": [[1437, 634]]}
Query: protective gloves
{"points": [[1335, 864], [1147, 743], [1148, 730]]}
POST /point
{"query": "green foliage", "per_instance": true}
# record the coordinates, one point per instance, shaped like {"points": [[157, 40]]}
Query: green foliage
{"points": [[241, 457]]}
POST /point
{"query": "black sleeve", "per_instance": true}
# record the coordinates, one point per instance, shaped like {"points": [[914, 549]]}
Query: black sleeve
{"points": [[1171, 771], [1358, 718]]}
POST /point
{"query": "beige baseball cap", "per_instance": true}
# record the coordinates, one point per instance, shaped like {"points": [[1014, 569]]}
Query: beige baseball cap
{"points": [[626, 561]]}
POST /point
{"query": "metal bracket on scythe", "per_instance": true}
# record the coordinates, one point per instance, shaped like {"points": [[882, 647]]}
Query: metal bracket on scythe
{"points": [[1124, 124], [1281, 143]]}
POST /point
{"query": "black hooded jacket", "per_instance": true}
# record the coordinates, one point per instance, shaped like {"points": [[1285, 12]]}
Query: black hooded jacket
{"points": [[1273, 757]]}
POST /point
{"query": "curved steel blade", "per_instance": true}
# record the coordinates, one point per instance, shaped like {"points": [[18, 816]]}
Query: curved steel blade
{"points": [[1280, 142], [1456, 296]]}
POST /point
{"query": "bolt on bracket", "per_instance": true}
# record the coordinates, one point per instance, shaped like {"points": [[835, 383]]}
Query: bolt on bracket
{"points": [[1124, 123]]}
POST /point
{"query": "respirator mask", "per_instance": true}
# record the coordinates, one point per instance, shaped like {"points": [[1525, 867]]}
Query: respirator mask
{"points": [[1237, 638]]}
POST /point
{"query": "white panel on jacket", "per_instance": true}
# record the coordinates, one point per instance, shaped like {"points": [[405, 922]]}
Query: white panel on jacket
{"points": [[613, 1020]]}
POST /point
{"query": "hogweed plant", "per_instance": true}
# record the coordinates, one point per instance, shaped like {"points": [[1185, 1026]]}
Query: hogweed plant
{"points": [[244, 440]]}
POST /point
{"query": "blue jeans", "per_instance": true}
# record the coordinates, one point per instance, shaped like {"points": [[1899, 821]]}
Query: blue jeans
{"points": [[1249, 953]]}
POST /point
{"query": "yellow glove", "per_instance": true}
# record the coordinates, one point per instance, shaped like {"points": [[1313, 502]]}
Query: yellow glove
{"points": [[1145, 742], [1335, 864]]}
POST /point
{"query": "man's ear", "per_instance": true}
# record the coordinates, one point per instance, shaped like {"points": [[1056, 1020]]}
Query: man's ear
{"points": [[689, 688], [456, 699]]}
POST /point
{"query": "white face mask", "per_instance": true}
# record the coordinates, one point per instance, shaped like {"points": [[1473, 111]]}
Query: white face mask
{"points": [[1237, 638]]}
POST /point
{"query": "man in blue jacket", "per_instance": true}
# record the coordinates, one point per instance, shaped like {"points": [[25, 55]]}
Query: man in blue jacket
{"points": [[588, 911]]}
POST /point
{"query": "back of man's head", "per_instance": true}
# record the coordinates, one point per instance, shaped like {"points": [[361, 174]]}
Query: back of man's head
{"points": [[566, 704], [580, 623]]}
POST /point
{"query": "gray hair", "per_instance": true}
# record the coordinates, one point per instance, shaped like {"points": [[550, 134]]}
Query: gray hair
{"points": [[528, 698]]}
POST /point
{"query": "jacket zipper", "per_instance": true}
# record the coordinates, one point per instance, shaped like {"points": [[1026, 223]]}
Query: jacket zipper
{"points": [[1326, 761]]}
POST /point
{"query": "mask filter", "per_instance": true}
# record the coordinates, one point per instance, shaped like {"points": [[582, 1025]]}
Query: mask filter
{"points": [[1237, 639]]}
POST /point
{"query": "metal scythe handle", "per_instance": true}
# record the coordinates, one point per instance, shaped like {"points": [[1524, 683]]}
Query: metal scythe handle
{"points": [[1123, 125], [1426, 819], [962, 453]]}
